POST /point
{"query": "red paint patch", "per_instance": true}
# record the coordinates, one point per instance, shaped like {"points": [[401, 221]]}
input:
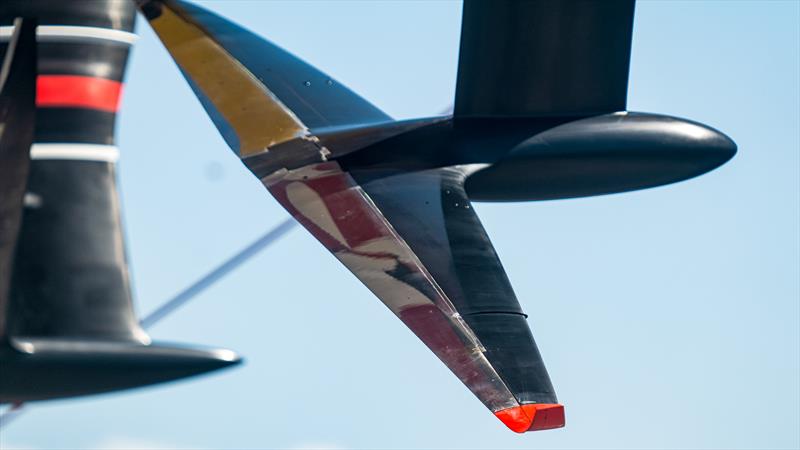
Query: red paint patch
{"points": [[73, 91], [532, 417]]}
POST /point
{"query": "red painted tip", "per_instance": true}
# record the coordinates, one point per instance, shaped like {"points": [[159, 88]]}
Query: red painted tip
{"points": [[532, 417]]}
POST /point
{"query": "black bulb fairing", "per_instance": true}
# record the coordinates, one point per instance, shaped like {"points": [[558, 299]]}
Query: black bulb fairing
{"points": [[602, 155]]}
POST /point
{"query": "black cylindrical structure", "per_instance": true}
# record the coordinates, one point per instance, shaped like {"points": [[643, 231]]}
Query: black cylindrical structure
{"points": [[70, 272], [70, 328]]}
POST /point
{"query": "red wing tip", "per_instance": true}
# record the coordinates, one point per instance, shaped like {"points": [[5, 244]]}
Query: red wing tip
{"points": [[532, 417]]}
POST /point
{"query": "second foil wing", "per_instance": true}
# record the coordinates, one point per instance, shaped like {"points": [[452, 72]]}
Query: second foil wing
{"points": [[415, 241]]}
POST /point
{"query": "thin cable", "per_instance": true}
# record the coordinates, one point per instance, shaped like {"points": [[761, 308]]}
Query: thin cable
{"points": [[209, 279]]}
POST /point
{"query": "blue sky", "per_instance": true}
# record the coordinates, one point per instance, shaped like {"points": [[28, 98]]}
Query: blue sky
{"points": [[668, 318]]}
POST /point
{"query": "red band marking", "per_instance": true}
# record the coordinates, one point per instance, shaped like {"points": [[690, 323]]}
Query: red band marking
{"points": [[74, 91]]}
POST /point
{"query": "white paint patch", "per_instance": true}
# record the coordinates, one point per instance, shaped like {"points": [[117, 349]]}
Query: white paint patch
{"points": [[83, 152], [64, 32], [33, 201]]}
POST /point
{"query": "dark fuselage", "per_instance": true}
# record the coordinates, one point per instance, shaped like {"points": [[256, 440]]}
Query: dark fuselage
{"points": [[543, 158]]}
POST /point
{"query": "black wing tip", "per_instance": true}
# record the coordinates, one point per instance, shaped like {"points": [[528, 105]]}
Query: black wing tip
{"points": [[52, 368]]}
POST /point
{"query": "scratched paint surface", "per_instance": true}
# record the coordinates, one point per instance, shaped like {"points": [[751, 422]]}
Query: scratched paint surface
{"points": [[242, 105], [335, 209]]}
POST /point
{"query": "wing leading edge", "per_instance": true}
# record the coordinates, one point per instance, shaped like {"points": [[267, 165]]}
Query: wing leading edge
{"points": [[258, 95]]}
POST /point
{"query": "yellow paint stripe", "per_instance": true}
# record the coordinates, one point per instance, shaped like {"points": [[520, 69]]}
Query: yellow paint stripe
{"points": [[254, 113]]}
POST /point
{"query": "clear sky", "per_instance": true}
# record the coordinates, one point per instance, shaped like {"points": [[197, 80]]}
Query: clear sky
{"points": [[668, 318]]}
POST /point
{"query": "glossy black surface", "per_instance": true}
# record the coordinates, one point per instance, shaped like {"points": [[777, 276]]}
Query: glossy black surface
{"points": [[43, 369], [432, 213], [115, 14], [17, 111], [70, 274], [602, 155], [91, 58], [75, 125], [442, 142], [543, 58]]}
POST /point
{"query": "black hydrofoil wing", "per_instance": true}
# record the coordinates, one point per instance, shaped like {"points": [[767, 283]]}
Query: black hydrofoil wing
{"points": [[390, 199]]}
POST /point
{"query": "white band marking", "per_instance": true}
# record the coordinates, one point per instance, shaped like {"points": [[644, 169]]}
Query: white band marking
{"points": [[83, 152], [64, 32]]}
